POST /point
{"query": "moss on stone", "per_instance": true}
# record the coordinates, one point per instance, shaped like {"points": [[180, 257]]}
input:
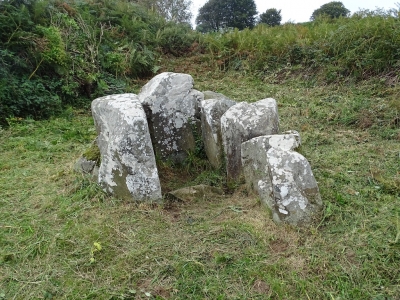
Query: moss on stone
{"points": [[93, 153]]}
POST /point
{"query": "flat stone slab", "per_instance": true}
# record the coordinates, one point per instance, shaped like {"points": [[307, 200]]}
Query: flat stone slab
{"points": [[282, 177], [295, 197], [197, 192], [254, 155]]}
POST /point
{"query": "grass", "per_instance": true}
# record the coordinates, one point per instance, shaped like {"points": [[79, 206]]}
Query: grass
{"points": [[61, 237]]}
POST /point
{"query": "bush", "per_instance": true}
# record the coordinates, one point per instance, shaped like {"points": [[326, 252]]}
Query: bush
{"points": [[175, 39], [362, 46], [55, 54], [35, 98]]}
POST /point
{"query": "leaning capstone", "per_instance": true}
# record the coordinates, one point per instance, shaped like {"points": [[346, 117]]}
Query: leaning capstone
{"points": [[128, 166], [243, 122], [172, 109], [254, 156], [211, 112]]}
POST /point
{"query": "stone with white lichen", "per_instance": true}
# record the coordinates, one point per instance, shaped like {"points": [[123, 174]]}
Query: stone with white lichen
{"points": [[172, 108], [211, 113], [243, 122], [282, 177], [128, 167]]}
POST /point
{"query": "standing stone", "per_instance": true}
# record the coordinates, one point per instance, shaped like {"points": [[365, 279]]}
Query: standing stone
{"points": [[295, 196], [282, 177], [254, 155], [243, 122], [211, 112], [172, 109], [128, 166]]}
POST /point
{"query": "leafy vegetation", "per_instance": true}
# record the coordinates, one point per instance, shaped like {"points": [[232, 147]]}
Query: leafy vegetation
{"points": [[327, 51], [217, 15], [54, 54], [171, 10], [334, 9], [271, 17]]}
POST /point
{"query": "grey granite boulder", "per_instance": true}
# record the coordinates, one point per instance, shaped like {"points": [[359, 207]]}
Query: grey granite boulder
{"points": [[282, 177], [211, 113], [295, 196], [243, 122], [128, 166], [172, 109], [254, 155]]}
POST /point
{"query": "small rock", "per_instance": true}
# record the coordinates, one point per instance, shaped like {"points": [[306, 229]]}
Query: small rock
{"points": [[197, 192]]}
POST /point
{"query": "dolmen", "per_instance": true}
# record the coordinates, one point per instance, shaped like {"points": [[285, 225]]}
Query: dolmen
{"points": [[163, 122]]}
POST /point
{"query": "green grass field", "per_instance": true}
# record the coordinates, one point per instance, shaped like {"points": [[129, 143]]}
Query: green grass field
{"points": [[61, 237]]}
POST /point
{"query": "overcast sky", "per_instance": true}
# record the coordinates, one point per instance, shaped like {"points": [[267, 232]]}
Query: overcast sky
{"points": [[301, 11]]}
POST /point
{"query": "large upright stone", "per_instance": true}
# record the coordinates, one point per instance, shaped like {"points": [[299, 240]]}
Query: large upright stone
{"points": [[254, 155], [211, 113], [295, 197], [282, 177], [172, 109], [243, 122], [128, 166]]}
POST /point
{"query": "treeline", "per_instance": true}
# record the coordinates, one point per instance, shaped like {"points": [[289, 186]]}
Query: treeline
{"points": [[55, 53]]}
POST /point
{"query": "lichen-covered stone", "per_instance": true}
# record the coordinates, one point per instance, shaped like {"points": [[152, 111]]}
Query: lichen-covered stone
{"points": [[254, 155], [172, 108], [243, 122], [211, 112], [282, 177], [83, 165], [128, 167], [295, 196]]}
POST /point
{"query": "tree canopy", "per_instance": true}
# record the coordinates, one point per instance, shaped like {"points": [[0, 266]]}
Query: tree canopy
{"points": [[334, 9], [172, 10], [271, 17], [218, 14]]}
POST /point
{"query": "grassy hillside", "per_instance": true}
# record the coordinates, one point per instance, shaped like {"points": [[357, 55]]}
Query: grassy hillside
{"points": [[62, 238]]}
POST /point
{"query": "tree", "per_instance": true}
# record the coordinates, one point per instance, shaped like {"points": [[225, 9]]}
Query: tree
{"points": [[218, 14], [172, 10], [271, 17], [334, 9]]}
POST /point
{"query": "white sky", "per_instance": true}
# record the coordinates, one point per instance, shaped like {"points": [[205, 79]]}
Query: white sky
{"points": [[301, 11]]}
